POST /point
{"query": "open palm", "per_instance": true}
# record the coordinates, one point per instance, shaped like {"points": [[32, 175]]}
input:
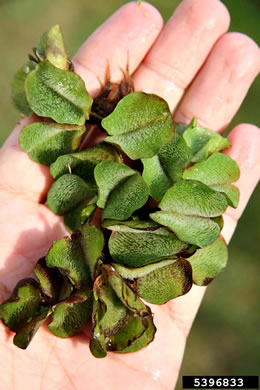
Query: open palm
{"points": [[192, 53]]}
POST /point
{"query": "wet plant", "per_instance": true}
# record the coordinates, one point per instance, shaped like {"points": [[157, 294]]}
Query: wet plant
{"points": [[144, 206]]}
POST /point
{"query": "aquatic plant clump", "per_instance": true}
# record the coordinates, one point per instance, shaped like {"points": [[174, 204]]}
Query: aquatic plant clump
{"points": [[144, 206]]}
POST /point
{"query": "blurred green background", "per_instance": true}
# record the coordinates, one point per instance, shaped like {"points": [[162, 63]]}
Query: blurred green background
{"points": [[225, 338]]}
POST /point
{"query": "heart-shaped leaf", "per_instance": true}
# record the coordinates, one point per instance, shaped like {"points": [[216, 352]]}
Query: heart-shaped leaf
{"points": [[57, 94], [121, 190], [45, 142], [68, 192], [83, 163], [137, 247], [203, 142], [68, 319], [18, 88], [208, 262], [164, 169], [217, 172], [140, 124], [54, 285]]}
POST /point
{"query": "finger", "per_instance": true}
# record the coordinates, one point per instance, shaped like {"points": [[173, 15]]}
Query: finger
{"points": [[245, 148], [245, 141], [181, 48], [130, 31], [221, 85]]}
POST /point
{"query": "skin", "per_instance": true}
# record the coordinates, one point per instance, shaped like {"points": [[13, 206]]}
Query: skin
{"points": [[192, 53]]}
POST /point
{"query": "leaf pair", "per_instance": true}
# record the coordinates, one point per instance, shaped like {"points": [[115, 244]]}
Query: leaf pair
{"points": [[121, 321]]}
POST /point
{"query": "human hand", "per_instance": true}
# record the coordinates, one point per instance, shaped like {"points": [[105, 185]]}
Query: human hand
{"points": [[28, 227]]}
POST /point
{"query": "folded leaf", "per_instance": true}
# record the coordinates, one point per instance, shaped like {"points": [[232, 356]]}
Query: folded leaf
{"points": [[140, 124], [121, 190], [203, 142], [45, 142], [68, 192], [24, 311], [54, 49], [67, 255], [54, 285], [58, 94], [164, 169], [163, 283], [136, 247], [68, 319], [80, 215], [208, 262], [115, 312], [97, 343], [232, 193], [18, 88], [195, 230], [135, 335], [83, 163], [191, 197]]}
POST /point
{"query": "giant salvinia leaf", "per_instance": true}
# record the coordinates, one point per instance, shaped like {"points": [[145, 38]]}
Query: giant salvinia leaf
{"points": [[97, 342], [54, 285], [208, 262], [77, 256], [55, 51], [68, 192], [140, 124], [83, 163], [159, 282], [218, 171], [203, 142], [80, 215], [24, 311], [166, 167], [121, 190], [138, 247], [115, 312], [68, 319], [58, 94], [45, 142], [68, 256], [187, 209], [18, 88]]}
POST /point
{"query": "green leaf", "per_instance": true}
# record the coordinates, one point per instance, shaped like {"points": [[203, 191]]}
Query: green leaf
{"points": [[115, 311], [58, 94], [135, 335], [164, 283], [68, 192], [217, 172], [69, 319], [45, 142], [97, 343], [24, 336], [140, 124], [203, 142], [195, 230], [164, 169], [136, 247], [121, 190], [191, 197], [92, 243], [208, 262], [18, 88], [54, 285], [54, 49], [80, 215], [83, 163], [23, 312], [68, 256]]}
